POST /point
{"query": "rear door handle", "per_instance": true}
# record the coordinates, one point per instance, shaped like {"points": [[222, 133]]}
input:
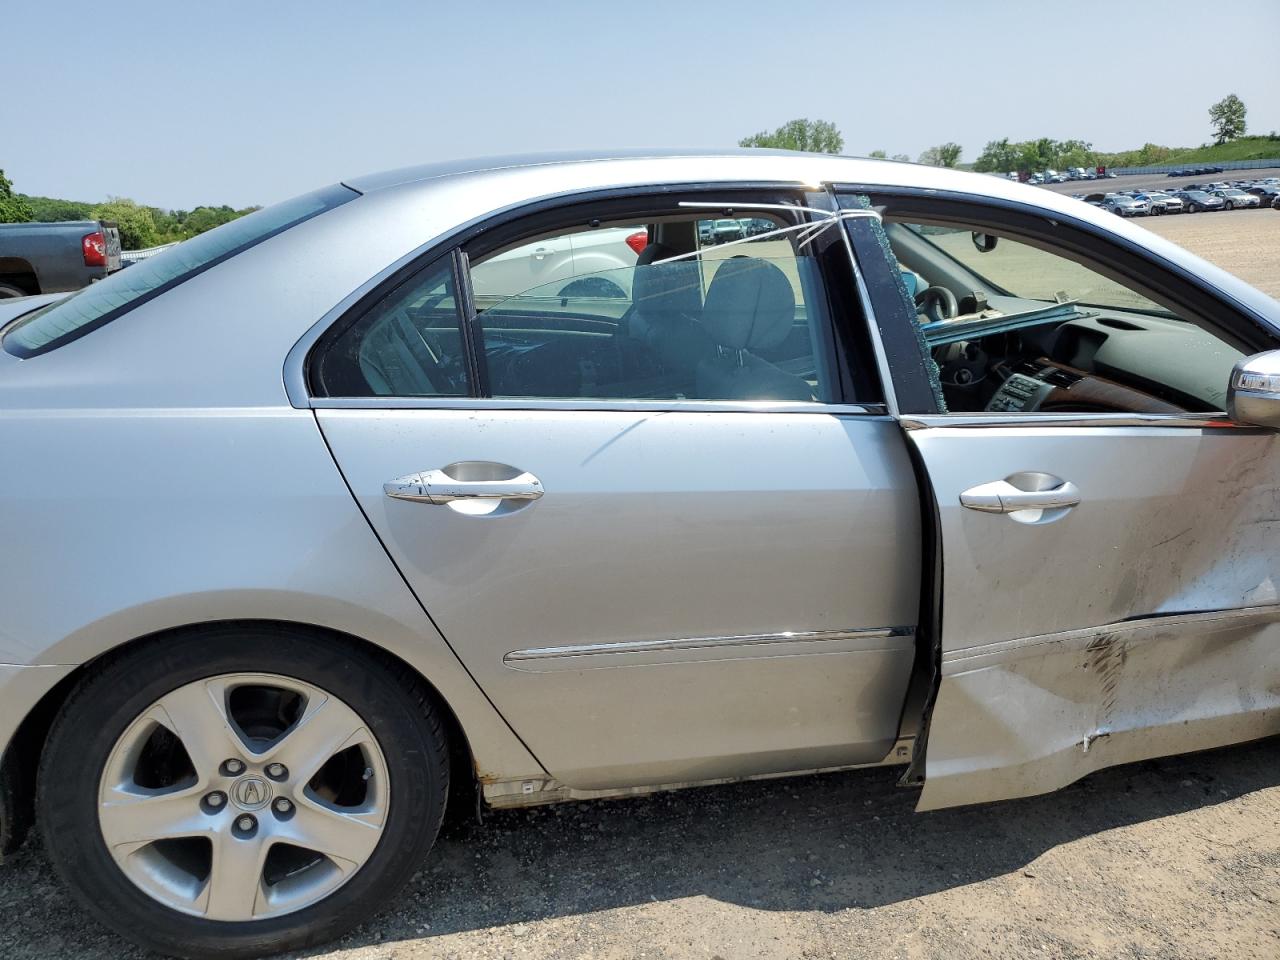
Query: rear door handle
{"points": [[437, 486], [1011, 495]]}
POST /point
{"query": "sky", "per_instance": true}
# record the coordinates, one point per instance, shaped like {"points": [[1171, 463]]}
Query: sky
{"points": [[177, 104]]}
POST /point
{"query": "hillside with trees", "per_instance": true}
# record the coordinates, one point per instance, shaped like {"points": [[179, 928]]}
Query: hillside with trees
{"points": [[140, 226]]}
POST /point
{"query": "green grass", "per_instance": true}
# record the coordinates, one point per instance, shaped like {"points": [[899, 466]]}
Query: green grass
{"points": [[1245, 148]]}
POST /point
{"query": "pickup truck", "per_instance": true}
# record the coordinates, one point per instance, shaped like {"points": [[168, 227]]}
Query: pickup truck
{"points": [[56, 257]]}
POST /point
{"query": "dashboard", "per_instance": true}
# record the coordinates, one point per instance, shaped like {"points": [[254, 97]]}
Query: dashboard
{"points": [[1032, 357]]}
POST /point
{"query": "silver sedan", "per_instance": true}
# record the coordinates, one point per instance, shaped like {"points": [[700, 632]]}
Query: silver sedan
{"points": [[329, 516]]}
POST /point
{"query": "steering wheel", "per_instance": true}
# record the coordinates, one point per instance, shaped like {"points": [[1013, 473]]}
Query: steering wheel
{"points": [[937, 304]]}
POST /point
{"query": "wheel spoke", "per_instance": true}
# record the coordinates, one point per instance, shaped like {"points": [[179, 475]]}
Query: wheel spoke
{"points": [[326, 728], [132, 820], [348, 839], [234, 887], [196, 713]]}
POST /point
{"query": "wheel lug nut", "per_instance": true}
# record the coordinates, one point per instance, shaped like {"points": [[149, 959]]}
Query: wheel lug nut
{"points": [[246, 825], [277, 771], [282, 805], [215, 800], [233, 767]]}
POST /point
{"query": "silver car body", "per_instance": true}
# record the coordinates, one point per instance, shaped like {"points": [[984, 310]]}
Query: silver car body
{"points": [[645, 625]]}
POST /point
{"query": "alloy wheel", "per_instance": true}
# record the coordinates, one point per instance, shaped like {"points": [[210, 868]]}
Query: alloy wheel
{"points": [[243, 796]]}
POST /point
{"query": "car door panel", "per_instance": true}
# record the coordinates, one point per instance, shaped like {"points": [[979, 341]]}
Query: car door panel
{"points": [[745, 584], [1143, 622]]}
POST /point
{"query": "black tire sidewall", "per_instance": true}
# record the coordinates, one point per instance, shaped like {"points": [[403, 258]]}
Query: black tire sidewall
{"points": [[100, 710]]}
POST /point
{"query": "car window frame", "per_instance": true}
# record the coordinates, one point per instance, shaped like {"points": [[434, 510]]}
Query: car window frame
{"points": [[1112, 256], [504, 228]]}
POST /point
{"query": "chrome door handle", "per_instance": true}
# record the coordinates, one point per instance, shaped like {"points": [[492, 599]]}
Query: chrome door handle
{"points": [[1010, 496], [437, 486]]}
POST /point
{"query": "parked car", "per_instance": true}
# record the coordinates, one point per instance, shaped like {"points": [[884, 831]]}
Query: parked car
{"points": [[56, 257], [592, 264], [1161, 203], [296, 551], [1198, 200], [1125, 206], [1234, 197]]}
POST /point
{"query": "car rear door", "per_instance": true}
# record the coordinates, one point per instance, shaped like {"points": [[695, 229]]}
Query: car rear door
{"points": [[1109, 583], [651, 591]]}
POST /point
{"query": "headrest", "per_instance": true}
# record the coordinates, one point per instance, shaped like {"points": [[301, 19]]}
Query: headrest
{"points": [[750, 305], [668, 288]]}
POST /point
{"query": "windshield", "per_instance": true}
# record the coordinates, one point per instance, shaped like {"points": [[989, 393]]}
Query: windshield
{"points": [[1012, 269], [97, 304]]}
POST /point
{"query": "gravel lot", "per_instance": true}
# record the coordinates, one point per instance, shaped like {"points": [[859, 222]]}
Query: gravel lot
{"points": [[1167, 859]]}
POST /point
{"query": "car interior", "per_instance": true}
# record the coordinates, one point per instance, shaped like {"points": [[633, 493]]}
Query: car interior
{"points": [[706, 311], [1013, 327], [717, 308]]}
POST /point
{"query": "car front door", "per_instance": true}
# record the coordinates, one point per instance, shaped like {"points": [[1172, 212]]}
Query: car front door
{"points": [[1110, 583], [670, 544]]}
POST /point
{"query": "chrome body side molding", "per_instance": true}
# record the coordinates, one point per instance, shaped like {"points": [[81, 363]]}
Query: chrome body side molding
{"points": [[591, 655]]}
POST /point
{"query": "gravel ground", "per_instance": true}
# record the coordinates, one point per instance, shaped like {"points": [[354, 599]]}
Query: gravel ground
{"points": [[1174, 858], [1246, 242], [1166, 859]]}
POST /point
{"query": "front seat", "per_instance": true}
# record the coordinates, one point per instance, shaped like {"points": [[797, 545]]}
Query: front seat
{"points": [[666, 300], [750, 306]]}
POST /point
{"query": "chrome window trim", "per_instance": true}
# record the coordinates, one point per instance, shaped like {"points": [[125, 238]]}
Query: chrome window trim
{"points": [[697, 643], [871, 410], [1195, 421]]}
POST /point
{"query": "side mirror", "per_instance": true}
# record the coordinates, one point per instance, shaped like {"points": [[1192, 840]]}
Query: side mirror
{"points": [[1253, 395], [985, 242]]}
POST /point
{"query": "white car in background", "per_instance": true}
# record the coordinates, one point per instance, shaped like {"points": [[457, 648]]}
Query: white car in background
{"points": [[577, 260]]}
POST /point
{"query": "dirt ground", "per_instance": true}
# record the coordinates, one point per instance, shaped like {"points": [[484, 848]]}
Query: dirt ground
{"points": [[1245, 242], [1170, 859]]}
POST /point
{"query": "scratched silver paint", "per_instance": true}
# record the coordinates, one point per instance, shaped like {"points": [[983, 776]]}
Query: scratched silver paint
{"points": [[1086, 632]]}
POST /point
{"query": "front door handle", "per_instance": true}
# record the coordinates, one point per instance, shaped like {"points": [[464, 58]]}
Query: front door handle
{"points": [[444, 486], [1022, 491]]}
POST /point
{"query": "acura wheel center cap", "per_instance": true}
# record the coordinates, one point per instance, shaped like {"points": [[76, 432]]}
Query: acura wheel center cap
{"points": [[251, 793]]}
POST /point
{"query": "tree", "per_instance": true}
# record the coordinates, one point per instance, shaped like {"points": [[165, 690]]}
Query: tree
{"points": [[52, 210], [998, 156], [13, 206], [901, 156], [812, 136], [137, 223], [949, 154], [878, 155], [1227, 117]]}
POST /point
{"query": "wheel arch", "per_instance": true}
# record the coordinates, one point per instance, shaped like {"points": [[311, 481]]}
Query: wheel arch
{"points": [[20, 272], [21, 757]]}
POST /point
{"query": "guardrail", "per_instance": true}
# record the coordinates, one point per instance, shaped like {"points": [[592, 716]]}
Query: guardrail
{"points": [[128, 256], [1224, 164]]}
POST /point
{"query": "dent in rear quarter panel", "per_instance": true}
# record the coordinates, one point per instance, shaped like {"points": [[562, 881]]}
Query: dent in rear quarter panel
{"points": [[121, 523]]}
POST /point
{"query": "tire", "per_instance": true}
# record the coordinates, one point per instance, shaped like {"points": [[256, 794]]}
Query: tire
{"points": [[1228, 206], [399, 736], [9, 291]]}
